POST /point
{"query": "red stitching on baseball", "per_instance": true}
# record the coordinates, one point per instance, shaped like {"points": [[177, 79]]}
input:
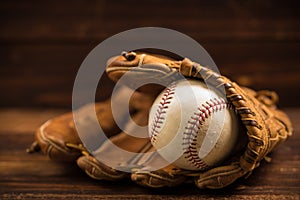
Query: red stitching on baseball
{"points": [[191, 131], [161, 111]]}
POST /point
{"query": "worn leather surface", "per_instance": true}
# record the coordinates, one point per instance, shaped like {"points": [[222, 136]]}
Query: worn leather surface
{"points": [[263, 123]]}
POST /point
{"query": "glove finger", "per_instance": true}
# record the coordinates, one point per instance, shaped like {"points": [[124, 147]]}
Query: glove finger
{"points": [[98, 170], [157, 179], [147, 174], [52, 136], [219, 177], [58, 137]]}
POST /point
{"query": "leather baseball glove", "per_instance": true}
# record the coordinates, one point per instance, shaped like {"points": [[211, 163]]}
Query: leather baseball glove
{"points": [[264, 125]]}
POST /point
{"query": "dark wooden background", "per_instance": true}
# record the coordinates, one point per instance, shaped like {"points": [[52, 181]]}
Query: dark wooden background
{"points": [[42, 43]]}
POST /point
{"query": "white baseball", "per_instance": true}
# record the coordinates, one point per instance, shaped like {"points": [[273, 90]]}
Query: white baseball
{"points": [[192, 126]]}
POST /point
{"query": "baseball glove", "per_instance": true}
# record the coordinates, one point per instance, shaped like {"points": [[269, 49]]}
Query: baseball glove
{"points": [[264, 125]]}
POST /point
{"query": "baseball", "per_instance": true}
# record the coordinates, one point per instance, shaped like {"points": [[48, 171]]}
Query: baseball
{"points": [[192, 126]]}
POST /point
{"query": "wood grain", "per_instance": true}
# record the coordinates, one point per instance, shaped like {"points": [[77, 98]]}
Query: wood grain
{"points": [[34, 176], [42, 44], [221, 20]]}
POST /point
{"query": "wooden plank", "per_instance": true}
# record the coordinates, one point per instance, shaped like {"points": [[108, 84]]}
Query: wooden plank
{"points": [[16, 121], [44, 74], [55, 90], [43, 44], [28, 176], [24, 59], [219, 21], [209, 30]]}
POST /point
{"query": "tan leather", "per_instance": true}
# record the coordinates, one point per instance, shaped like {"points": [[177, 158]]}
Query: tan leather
{"points": [[97, 170], [264, 125], [54, 135]]}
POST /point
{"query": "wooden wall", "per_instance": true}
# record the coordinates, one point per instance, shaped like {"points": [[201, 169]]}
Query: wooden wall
{"points": [[42, 43]]}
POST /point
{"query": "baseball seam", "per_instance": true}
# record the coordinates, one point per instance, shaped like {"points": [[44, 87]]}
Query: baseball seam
{"points": [[191, 131], [161, 112]]}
